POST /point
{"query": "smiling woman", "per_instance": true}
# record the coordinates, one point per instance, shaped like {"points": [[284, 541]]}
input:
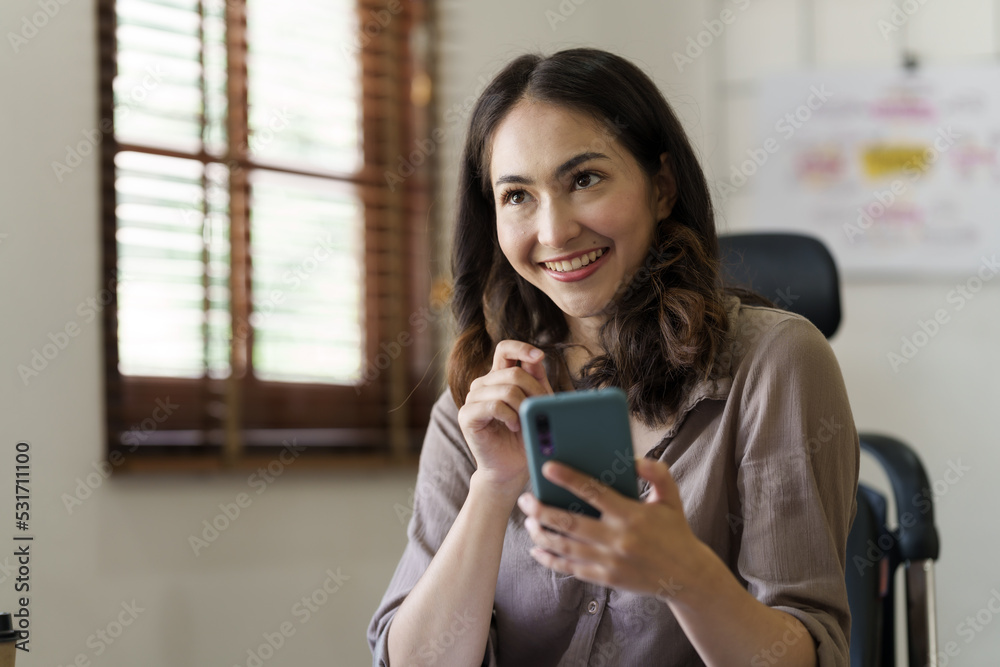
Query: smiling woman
{"points": [[559, 204], [585, 255]]}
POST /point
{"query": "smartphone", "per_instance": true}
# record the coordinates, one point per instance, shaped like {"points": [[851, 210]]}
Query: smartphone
{"points": [[587, 430]]}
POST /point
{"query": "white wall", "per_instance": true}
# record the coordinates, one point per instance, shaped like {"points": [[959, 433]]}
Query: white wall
{"points": [[129, 540]]}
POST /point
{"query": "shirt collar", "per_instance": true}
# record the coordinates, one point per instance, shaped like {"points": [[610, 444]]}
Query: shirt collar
{"points": [[719, 382]]}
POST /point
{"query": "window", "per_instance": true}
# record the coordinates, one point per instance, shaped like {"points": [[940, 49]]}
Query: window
{"points": [[263, 255]]}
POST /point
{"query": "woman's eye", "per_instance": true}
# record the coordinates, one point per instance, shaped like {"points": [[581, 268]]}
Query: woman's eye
{"points": [[514, 197], [586, 180]]}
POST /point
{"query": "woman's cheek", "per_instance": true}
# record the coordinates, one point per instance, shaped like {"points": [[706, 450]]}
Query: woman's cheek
{"points": [[514, 242]]}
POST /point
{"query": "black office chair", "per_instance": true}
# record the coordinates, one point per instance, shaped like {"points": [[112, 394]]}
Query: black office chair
{"points": [[797, 273]]}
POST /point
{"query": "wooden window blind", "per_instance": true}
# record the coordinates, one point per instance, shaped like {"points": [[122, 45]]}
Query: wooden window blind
{"points": [[264, 248]]}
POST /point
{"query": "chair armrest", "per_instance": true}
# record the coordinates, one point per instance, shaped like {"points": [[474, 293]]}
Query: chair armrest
{"points": [[918, 536]]}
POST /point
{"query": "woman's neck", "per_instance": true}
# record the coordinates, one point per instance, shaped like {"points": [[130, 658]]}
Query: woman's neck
{"points": [[584, 343]]}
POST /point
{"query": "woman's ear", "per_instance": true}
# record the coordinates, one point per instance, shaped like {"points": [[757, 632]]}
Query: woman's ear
{"points": [[665, 187]]}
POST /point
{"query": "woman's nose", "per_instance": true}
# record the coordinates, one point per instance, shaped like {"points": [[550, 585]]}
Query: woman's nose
{"points": [[557, 224]]}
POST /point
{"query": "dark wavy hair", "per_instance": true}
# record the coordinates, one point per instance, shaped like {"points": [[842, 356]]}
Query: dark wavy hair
{"points": [[666, 326]]}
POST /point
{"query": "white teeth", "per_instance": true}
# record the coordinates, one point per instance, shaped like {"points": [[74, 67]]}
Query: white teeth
{"points": [[575, 263]]}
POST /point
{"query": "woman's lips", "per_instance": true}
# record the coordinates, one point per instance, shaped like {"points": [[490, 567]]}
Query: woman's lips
{"points": [[580, 273]]}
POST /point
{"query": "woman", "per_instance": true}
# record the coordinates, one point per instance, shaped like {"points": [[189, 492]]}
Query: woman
{"points": [[585, 255]]}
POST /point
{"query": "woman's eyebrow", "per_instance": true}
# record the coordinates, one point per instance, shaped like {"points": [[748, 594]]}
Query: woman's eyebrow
{"points": [[560, 171], [571, 163]]}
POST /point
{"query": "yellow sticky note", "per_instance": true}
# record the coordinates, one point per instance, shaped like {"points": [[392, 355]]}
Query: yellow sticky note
{"points": [[885, 160]]}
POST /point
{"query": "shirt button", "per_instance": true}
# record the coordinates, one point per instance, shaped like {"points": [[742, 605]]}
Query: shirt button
{"points": [[592, 607]]}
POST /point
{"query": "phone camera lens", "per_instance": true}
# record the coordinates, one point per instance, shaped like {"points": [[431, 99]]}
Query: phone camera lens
{"points": [[543, 423], [544, 435]]}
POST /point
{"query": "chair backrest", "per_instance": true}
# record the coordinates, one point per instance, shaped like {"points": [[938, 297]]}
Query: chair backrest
{"points": [[794, 271], [797, 273]]}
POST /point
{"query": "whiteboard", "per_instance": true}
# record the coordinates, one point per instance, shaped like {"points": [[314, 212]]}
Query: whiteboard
{"points": [[897, 171]]}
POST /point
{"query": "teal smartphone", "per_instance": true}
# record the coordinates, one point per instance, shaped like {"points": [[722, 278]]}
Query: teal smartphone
{"points": [[587, 430]]}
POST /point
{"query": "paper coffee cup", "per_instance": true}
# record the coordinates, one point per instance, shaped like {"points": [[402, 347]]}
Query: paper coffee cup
{"points": [[8, 640]]}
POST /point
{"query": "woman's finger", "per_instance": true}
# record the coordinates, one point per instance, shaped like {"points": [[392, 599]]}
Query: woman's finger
{"points": [[509, 352], [479, 414], [500, 401], [562, 545], [514, 352], [573, 524], [509, 377], [600, 496], [664, 488]]}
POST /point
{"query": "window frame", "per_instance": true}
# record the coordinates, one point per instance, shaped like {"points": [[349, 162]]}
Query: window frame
{"points": [[161, 424]]}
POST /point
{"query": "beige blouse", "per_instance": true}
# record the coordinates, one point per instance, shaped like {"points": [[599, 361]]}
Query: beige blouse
{"points": [[765, 454]]}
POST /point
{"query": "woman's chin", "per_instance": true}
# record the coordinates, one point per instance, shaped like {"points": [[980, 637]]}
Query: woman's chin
{"points": [[586, 311]]}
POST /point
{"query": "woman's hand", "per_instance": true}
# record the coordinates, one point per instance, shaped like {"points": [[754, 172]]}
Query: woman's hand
{"points": [[644, 547], [489, 419]]}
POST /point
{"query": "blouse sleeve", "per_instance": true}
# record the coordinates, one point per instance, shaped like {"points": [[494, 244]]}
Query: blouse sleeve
{"points": [[446, 466], [797, 459]]}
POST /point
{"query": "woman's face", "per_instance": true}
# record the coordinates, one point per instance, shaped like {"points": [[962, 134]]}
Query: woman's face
{"points": [[575, 211]]}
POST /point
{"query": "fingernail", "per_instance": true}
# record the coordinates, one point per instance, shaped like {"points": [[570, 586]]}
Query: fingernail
{"points": [[535, 354]]}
